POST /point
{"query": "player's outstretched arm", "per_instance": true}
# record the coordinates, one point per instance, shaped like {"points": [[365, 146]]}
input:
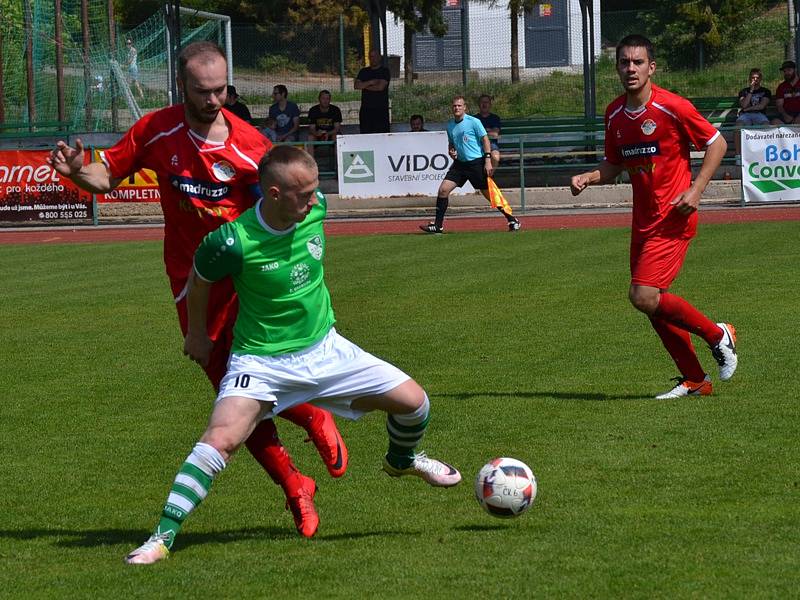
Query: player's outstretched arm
{"points": [[604, 173], [197, 345], [68, 161]]}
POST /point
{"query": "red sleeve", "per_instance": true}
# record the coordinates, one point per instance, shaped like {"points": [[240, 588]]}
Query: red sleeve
{"points": [[257, 146], [780, 92], [699, 131], [612, 155], [123, 158]]}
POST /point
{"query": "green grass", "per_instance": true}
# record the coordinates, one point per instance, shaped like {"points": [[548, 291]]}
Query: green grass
{"points": [[527, 347]]}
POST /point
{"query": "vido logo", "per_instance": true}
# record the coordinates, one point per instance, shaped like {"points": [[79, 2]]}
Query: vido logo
{"points": [[359, 166]]}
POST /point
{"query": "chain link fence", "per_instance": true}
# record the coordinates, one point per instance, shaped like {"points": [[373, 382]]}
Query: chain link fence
{"points": [[100, 92]]}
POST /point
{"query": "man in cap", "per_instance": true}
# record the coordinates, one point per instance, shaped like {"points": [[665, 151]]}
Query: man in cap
{"points": [[787, 96], [234, 105]]}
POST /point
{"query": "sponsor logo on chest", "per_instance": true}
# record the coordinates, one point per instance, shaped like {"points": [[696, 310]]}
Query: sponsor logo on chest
{"points": [[641, 150], [206, 191]]}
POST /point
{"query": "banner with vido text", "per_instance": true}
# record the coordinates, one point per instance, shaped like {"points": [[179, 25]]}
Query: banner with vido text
{"points": [[393, 164]]}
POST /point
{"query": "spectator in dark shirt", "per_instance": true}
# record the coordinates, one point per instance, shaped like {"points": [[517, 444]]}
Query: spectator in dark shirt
{"points": [[753, 101], [325, 121], [236, 106], [286, 115], [787, 96], [373, 81], [417, 123], [491, 123]]}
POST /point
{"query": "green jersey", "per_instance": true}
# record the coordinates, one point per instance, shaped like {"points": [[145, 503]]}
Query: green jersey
{"points": [[284, 305]]}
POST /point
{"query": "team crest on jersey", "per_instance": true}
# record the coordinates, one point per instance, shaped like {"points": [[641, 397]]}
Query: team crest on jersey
{"points": [[648, 127], [223, 170], [314, 246], [299, 276]]}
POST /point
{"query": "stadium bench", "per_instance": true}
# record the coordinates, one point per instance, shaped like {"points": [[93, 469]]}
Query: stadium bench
{"points": [[17, 129]]}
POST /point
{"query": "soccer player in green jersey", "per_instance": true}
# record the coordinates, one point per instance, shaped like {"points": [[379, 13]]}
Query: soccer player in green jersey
{"points": [[285, 351]]}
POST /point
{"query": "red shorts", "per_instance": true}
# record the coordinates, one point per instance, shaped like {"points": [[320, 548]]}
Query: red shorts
{"points": [[223, 306], [656, 262]]}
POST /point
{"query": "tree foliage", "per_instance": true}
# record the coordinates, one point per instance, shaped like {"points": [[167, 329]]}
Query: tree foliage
{"points": [[697, 32]]}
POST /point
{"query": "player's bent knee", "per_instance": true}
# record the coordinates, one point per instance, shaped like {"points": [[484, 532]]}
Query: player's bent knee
{"points": [[643, 300]]}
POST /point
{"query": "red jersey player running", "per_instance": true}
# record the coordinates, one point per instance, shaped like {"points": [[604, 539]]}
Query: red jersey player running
{"points": [[648, 131], [206, 160]]}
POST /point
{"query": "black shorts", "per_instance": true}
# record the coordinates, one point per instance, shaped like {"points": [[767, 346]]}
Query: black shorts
{"points": [[472, 171]]}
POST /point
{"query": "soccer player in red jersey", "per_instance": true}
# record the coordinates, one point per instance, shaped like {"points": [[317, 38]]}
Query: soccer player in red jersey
{"points": [[206, 160], [648, 132]]}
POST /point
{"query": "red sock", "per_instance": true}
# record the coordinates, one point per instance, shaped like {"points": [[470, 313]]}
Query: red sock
{"points": [[679, 312], [302, 415], [266, 447], [678, 343]]}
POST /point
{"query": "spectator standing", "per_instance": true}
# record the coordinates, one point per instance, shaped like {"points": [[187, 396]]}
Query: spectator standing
{"points": [[286, 115], [373, 81], [132, 62], [787, 96], [325, 120], [234, 104], [753, 101], [417, 123], [491, 123]]}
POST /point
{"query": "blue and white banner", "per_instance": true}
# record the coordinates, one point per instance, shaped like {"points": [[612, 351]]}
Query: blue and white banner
{"points": [[771, 164], [393, 164]]}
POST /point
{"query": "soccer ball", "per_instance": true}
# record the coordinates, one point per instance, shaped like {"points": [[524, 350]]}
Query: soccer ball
{"points": [[505, 487]]}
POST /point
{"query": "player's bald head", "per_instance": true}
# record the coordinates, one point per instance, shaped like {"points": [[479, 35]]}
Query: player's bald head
{"points": [[205, 52]]}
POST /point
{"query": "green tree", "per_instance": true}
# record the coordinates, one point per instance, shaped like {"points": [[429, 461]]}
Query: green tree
{"points": [[516, 9], [694, 33], [416, 16]]}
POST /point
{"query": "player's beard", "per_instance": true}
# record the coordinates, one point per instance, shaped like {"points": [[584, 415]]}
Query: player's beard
{"points": [[202, 116]]}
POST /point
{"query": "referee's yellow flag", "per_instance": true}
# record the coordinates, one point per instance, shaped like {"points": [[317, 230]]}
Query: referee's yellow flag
{"points": [[496, 198]]}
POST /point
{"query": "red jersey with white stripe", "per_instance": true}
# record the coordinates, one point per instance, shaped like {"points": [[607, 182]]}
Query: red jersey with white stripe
{"points": [[203, 184], [653, 146]]}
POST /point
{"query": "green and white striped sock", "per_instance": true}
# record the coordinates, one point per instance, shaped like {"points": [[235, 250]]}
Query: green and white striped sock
{"points": [[405, 433], [190, 487]]}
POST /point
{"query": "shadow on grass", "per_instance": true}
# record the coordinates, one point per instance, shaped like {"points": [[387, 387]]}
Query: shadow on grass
{"points": [[73, 538], [583, 396], [478, 528]]}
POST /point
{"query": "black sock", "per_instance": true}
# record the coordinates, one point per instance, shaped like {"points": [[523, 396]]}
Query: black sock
{"points": [[441, 208], [509, 218]]}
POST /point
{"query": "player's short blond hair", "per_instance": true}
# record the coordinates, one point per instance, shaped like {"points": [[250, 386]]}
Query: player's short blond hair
{"points": [[274, 163]]}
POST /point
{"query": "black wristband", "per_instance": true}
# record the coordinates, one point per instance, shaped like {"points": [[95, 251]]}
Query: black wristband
{"points": [[487, 155]]}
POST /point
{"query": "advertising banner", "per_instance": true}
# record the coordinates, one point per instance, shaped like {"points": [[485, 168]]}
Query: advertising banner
{"points": [[31, 190], [393, 164], [771, 164], [142, 186]]}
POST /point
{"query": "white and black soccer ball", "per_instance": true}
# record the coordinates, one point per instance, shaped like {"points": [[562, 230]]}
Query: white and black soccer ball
{"points": [[505, 487]]}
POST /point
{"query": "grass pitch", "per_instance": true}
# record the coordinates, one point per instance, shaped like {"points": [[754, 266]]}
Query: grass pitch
{"points": [[527, 347]]}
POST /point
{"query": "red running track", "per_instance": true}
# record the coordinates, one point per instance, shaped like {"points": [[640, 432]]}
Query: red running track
{"points": [[57, 235]]}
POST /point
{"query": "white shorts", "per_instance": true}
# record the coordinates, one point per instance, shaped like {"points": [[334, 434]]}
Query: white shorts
{"points": [[331, 374]]}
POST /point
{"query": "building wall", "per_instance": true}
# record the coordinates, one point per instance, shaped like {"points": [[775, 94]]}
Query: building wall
{"points": [[490, 35]]}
